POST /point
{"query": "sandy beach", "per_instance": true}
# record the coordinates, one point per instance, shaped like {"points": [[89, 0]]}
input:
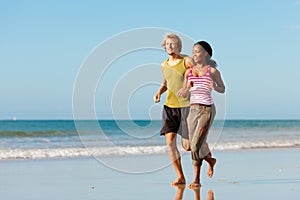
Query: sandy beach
{"points": [[244, 174]]}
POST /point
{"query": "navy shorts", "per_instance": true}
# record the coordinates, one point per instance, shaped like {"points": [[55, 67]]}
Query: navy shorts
{"points": [[174, 120]]}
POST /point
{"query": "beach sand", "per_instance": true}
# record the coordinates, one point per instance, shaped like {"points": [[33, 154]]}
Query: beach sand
{"points": [[244, 174]]}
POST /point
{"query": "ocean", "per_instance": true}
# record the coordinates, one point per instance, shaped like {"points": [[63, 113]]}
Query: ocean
{"points": [[36, 139]]}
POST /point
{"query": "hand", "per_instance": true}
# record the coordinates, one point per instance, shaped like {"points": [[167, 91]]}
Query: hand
{"points": [[156, 98], [179, 93]]}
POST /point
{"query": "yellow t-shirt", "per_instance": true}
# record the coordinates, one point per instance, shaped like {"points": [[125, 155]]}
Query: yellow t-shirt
{"points": [[174, 75]]}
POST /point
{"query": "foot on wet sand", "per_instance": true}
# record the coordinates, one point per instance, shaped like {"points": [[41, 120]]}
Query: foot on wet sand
{"points": [[194, 185], [210, 171], [178, 181]]}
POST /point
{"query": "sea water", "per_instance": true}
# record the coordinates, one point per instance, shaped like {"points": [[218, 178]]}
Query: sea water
{"points": [[34, 139]]}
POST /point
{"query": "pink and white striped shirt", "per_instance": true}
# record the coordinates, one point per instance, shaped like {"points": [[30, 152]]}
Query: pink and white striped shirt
{"points": [[200, 93]]}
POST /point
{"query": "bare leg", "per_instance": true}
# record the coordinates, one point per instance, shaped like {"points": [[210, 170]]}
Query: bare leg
{"points": [[211, 162], [196, 182], [175, 158], [209, 154]]}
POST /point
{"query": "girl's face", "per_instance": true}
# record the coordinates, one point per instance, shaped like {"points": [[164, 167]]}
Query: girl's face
{"points": [[199, 54]]}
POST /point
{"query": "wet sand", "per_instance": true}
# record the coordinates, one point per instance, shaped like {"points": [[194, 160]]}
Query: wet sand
{"points": [[247, 174]]}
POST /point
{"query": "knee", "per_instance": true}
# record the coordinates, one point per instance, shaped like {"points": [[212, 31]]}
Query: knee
{"points": [[170, 139]]}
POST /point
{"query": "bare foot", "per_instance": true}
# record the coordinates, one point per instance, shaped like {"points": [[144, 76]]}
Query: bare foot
{"points": [[178, 181], [194, 185], [210, 171]]}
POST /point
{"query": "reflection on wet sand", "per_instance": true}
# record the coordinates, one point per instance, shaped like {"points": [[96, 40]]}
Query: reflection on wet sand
{"points": [[181, 188]]}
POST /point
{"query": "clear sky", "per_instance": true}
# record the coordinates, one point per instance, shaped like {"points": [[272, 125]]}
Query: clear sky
{"points": [[44, 43]]}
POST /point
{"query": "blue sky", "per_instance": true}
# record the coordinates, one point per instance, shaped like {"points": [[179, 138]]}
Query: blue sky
{"points": [[44, 43]]}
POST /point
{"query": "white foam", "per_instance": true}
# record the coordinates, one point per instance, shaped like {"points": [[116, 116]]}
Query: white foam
{"points": [[79, 152], [256, 144], [38, 153]]}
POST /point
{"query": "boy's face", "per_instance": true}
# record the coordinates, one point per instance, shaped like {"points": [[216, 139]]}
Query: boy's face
{"points": [[172, 46]]}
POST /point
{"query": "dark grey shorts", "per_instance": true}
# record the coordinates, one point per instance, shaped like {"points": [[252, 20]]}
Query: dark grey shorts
{"points": [[175, 120]]}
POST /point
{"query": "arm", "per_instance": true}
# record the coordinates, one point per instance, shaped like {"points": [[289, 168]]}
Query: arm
{"points": [[184, 91], [160, 91], [217, 84], [188, 62]]}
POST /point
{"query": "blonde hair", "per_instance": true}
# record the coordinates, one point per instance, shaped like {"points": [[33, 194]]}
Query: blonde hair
{"points": [[172, 36]]}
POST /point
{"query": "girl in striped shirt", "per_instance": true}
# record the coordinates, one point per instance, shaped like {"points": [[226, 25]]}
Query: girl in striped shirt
{"points": [[199, 82]]}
